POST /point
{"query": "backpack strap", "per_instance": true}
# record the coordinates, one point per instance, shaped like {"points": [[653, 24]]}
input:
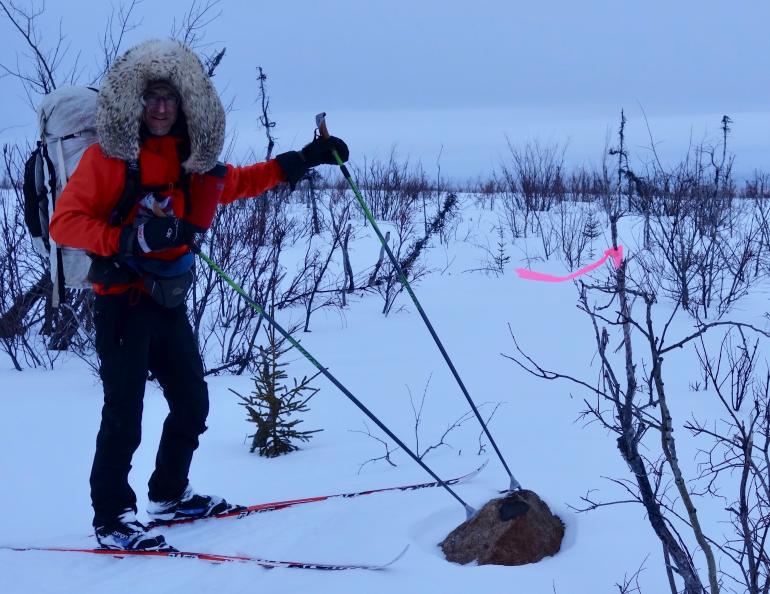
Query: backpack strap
{"points": [[107, 270], [182, 152], [32, 195], [132, 189], [184, 185]]}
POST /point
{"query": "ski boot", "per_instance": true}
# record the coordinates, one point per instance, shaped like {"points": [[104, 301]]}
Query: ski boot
{"points": [[189, 506], [125, 533]]}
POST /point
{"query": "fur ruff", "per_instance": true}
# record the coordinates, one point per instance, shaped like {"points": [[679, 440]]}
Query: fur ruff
{"points": [[119, 108]]}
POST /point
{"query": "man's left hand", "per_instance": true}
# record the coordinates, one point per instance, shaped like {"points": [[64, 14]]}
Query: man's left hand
{"points": [[319, 152]]}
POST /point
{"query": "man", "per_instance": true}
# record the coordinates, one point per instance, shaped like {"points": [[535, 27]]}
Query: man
{"points": [[135, 202]]}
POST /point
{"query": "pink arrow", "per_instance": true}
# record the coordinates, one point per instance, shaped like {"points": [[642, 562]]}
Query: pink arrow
{"points": [[615, 253]]}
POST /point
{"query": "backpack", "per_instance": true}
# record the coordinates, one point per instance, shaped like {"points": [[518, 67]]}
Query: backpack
{"points": [[66, 119], [66, 123]]}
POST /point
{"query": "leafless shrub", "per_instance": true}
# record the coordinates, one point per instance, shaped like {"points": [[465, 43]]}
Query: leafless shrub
{"points": [[405, 230], [758, 187], [693, 245], [736, 444], [482, 437], [392, 187], [760, 215], [389, 450], [516, 217], [630, 583], [223, 322], [637, 408], [21, 301], [318, 280], [577, 244], [420, 449], [41, 69], [545, 229], [636, 412], [485, 192], [569, 229], [531, 183], [264, 118], [538, 170], [417, 412], [318, 266], [341, 228], [705, 273], [119, 24], [191, 28], [374, 275], [408, 250], [584, 185], [496, 256]]}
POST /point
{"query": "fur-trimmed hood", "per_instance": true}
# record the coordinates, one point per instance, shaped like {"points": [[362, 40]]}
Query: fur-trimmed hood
{"points": [[119, 108]]}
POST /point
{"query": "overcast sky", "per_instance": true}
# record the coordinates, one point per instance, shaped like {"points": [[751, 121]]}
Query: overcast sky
{"points": [[432, 77]]}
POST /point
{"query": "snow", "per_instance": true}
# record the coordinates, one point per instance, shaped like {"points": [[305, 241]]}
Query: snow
{"points": [[50, 420]]}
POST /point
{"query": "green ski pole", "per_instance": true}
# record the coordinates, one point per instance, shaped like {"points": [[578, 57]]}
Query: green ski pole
{"points": [[320, 121]]}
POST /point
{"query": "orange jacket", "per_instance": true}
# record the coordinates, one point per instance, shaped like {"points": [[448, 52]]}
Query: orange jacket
{"points": [[82, 214]]}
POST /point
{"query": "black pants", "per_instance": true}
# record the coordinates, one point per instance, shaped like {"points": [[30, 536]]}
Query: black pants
{"points": [[133, 335]]}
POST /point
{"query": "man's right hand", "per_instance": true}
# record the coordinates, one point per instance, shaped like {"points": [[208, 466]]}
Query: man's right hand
{"points": [[156, 234]]}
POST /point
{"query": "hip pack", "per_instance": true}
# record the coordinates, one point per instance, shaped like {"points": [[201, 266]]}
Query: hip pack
{"points": [[167, 281]]}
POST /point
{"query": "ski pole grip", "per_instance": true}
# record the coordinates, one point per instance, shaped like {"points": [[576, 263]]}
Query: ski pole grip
{"points": [[320, 123]]}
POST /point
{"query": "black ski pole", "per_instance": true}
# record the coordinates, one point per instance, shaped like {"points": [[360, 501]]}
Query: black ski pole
{"points": [[469, 511], [320, 121]]}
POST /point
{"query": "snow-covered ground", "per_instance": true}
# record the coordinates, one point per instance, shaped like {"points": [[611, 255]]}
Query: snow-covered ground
{"points": [[50, 418]]}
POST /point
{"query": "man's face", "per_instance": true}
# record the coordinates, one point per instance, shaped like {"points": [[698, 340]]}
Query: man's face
{"points": [[161, 105]]}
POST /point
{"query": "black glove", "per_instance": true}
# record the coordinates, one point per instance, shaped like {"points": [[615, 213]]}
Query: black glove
{"points": [[295, 164], [159, 233], [319, 152]]}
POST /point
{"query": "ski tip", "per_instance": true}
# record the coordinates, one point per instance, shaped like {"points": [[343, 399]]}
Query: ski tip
{"points": [[473, 473], [396, 558]]}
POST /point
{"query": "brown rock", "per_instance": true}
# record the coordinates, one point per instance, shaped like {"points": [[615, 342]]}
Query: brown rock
{"points": [[512, 530]]}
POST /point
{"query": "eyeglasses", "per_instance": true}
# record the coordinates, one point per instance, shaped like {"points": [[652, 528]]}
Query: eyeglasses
{"points": [[153, 101]]}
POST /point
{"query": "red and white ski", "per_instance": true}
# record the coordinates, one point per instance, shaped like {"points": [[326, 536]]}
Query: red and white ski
{"points": [[276, 505], [215, 558]]}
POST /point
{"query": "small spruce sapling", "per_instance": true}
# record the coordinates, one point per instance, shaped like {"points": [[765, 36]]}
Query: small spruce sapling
{"points": [[591, 230], [272, 403], [501, 258]]}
